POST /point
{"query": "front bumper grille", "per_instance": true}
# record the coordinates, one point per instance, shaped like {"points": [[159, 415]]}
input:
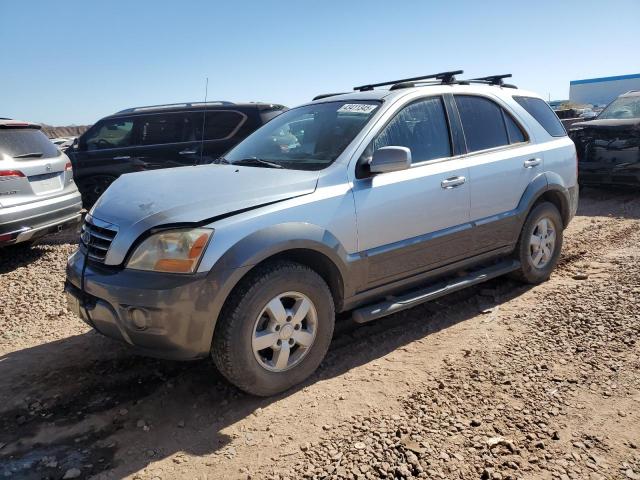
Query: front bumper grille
{"points": [[96, 237]]}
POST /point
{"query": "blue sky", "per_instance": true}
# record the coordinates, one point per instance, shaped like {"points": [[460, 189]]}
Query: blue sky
{"points": [[76, 61]]}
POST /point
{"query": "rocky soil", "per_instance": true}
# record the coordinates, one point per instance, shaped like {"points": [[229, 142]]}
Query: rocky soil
{"points": [[500, 381]]}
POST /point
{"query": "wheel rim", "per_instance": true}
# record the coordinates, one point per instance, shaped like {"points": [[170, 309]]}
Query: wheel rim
{"points": [[284, 331], [542, 243]]}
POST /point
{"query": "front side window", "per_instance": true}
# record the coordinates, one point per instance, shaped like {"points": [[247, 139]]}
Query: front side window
{"points": [[114, 133], [421, 127], [622, 107], [305, 138], [541, 111], [483, 123]]}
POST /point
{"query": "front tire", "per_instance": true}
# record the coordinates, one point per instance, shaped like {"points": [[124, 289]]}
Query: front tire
{"points": [[540, 244], [274, 329]]}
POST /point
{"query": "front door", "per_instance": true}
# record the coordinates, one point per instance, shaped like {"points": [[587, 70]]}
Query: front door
{"points": [[414, 220]]}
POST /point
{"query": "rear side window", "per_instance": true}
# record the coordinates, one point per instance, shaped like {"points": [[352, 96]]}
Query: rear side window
{"points": [[541, 111], [422, 127], [483, 123], [220, 125], [113, 133], [26, 142], [516, 135], [160, 129]]}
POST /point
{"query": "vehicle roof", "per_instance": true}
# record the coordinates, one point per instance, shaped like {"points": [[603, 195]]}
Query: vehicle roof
{"points": [[434, 89], [12, 123], [186, 106]]}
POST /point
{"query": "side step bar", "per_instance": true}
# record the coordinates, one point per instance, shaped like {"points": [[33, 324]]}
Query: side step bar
{"points": [[416, 297]]}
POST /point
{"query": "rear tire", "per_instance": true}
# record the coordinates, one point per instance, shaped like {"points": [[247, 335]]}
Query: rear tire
{"points": [[274, 329], [540, 244]]}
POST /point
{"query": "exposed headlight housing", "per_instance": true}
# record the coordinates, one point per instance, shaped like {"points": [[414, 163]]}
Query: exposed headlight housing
{"points": [[172, 251]]}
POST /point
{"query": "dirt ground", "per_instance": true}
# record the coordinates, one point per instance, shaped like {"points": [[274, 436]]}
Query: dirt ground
{"points": [[499, 381]]}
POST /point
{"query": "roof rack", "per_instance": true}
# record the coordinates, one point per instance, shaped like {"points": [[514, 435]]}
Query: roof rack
{"points": [[444, 77], [174, 105]]}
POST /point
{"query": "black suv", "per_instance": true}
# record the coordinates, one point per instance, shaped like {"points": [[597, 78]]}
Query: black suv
{"points": [[161, 136]]}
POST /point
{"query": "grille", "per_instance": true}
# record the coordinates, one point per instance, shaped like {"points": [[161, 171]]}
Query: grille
{"points": [[95, 239]]}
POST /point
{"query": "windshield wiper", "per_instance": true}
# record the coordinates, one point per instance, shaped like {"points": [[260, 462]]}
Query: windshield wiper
{"points": [[257, 162], [29, 155]]}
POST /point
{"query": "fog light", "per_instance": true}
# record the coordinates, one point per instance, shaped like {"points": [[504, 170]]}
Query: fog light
{"points": [[139, 318]]}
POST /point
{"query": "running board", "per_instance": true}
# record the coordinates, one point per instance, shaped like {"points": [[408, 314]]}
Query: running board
{"points": [[416, 297]]}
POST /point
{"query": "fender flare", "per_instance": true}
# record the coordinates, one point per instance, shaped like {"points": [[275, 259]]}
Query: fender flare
{"points": [[263, 244], [541, 184]]}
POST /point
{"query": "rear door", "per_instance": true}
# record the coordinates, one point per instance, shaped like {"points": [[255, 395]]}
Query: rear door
{"points": [[166, 140], [32, 168], [502, 162]]}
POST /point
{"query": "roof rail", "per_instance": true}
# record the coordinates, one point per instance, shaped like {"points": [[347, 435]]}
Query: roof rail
{"points": [[444, 77], [325, 95], [174, 105]]}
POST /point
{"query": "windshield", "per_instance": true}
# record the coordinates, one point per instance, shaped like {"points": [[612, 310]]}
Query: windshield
{"points": [[622, 107], [305, 138]]}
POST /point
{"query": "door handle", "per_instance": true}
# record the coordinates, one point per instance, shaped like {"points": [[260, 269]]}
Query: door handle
{"points": [[452, 182], [532, 162], [124, 157], [187, 152]]}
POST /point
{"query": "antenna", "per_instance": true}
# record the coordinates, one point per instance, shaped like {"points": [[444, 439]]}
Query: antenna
{"points": [[204, 117]]}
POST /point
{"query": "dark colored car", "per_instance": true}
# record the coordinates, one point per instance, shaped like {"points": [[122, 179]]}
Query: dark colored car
{"points": [[609, 147], [161, 136]]}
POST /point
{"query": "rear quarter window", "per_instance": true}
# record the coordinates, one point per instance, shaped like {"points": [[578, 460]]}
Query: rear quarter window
{"points": [[23, 141], [541, 111]]}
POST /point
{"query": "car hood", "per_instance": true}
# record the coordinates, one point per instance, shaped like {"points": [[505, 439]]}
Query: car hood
{"points": [[619, 123], [136, 202]]}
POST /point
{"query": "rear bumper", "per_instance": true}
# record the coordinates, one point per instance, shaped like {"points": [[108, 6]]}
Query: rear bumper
{"points": [[29, 221], [161, 315]]}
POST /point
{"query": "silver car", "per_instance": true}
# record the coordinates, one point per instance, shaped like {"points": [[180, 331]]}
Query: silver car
{"points": [[368, 202], [37, 193]]}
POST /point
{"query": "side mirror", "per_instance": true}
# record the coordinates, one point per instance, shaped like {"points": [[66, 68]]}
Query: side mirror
{"points": [[390, 159]]}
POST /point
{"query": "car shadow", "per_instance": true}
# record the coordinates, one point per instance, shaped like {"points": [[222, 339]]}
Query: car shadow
{"points": [[87, 402], [16, 256], [610, 201]]}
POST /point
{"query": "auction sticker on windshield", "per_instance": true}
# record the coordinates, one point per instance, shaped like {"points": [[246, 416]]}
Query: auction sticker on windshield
{"points": [[357, 108]]}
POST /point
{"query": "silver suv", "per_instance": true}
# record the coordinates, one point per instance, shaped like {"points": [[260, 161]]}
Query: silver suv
{"points": [[37, 193], [369, 202]]}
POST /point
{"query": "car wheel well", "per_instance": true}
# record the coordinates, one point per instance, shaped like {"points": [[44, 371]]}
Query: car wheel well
{"points": [[318, 262], [556, 199]]}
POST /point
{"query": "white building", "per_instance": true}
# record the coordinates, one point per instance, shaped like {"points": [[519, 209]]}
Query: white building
{"points": [[601, 91]]}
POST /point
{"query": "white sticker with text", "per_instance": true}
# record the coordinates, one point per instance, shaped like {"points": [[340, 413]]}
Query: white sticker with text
{"points": [[357, 108]]}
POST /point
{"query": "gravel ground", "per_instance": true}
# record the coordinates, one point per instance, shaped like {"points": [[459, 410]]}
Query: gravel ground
{"points": [[500, 381]]}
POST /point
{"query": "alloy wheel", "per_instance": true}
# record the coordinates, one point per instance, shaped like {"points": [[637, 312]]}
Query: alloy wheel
{"points": [[284, 331]]}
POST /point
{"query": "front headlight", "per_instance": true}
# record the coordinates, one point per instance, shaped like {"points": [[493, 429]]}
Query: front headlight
{"points": [[174, 251]]}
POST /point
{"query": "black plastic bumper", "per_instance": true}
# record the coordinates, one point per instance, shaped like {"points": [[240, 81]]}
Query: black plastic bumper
{"points": [[161, 315]]}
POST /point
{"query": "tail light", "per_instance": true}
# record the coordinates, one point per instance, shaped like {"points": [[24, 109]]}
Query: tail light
{"points": [[68, 166], [11, 174]]}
